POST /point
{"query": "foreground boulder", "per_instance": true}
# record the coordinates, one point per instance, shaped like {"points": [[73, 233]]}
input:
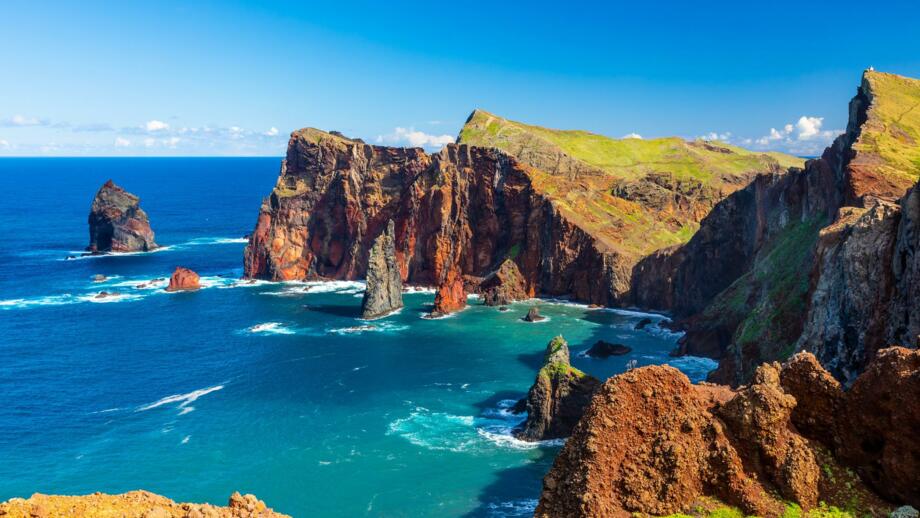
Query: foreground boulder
{"points": [[134, 504], [558, 397], [117, 223], [651, 442], [383, 294], [183, 279], [533, 315]]}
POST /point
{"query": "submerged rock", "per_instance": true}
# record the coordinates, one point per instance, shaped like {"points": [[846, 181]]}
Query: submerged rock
{"points": [[133, 504], [99, 278], [533, 315], [602, 349], [183, 279], [117, 223], [383, 294], [558, 397]]}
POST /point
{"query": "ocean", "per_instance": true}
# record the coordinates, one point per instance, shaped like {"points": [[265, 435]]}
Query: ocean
{"points": [[276, 389]]}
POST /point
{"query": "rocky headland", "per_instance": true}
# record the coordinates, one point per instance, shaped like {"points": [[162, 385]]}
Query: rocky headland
{"points": [[495, 213], [117, 223], [821, 259], [134, 504], [383, 294], [558, 397], [651, 442]]}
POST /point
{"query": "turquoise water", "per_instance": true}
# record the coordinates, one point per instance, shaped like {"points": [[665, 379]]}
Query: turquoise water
{"points": [[274, 389]]}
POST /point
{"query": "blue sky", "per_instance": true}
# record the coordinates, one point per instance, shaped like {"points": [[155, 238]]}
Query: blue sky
{"points": [[235, 78]]}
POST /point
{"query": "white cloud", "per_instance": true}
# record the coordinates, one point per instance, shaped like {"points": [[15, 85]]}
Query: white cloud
{"points": [[122, 142], [22, 120], [4, 144], [806, 136], [633, 135], [272, 132], [415, 138], [171, 142], [809, 127], [713, 135], [155, 125], [150, 142]]}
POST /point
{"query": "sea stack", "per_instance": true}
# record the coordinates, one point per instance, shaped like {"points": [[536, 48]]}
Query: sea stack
{"points": [[383, 294], [117, 223], [504, 286], [558, 397], [183, 279]]}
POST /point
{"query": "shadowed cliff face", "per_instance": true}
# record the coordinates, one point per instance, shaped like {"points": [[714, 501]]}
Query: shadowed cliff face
{"points": [[818, 243], [117, 223], [457, 215]]}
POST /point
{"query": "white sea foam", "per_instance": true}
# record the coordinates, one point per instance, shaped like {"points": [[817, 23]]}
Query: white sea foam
{"points": [[185, 439], [377, 327], [271, 328], [695, 367], [198, 241], [463, 433], [513, 508], [67, 298], [80, 255], [184, 400], [420, 290]]}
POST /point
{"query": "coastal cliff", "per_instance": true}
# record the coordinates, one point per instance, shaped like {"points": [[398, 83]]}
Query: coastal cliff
{"points": [[651, 442], [572, 229], [834, 241], [134, 504], [117, 223], [458, 215]]}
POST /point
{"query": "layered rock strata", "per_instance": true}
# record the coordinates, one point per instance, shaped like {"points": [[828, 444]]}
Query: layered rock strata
{"points": [[383, 294], [117, 223]]}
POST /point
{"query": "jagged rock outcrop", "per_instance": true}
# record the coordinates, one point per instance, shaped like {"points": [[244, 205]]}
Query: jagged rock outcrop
{"points": [[133, 504], [504, 286], [820, 242], [558, 397], [651, 442], [117, 223], [458, 213], [383, 294], [533, 315], [183, 279]]}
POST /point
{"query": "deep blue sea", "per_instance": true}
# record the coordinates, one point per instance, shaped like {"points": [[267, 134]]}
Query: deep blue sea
{"points": [[269, 388]]}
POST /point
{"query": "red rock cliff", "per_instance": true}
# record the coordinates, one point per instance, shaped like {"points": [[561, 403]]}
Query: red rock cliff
{"points": [[458, 214]]}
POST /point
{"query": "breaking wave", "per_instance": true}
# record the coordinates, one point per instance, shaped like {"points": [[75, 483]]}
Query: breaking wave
{"points": [[184, 400]]}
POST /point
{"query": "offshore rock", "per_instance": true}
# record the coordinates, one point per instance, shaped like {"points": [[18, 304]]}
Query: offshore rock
{"points": [[558, 397], [133, 504], [504, 286], [651, 442], [183, 279], [533, 315], [117, 223], [383, 294]]}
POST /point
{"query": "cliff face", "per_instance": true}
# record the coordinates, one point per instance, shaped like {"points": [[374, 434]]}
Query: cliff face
{"points": [[134, 504], [558, 397], [117, 223], [384, 284], [816, 242], [651, 442], [458, 215]]}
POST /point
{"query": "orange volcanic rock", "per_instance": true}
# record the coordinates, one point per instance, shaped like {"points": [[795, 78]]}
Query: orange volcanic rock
{"points": [[134, 504], [183, 279], [651, 442]]}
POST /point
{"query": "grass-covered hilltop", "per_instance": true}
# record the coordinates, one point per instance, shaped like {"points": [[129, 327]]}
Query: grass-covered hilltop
{"points": [[636, 195]]}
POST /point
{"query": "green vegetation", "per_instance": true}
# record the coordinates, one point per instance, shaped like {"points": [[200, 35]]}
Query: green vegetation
{"points": [[715, 509], [578, 172], [892, 130]]}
